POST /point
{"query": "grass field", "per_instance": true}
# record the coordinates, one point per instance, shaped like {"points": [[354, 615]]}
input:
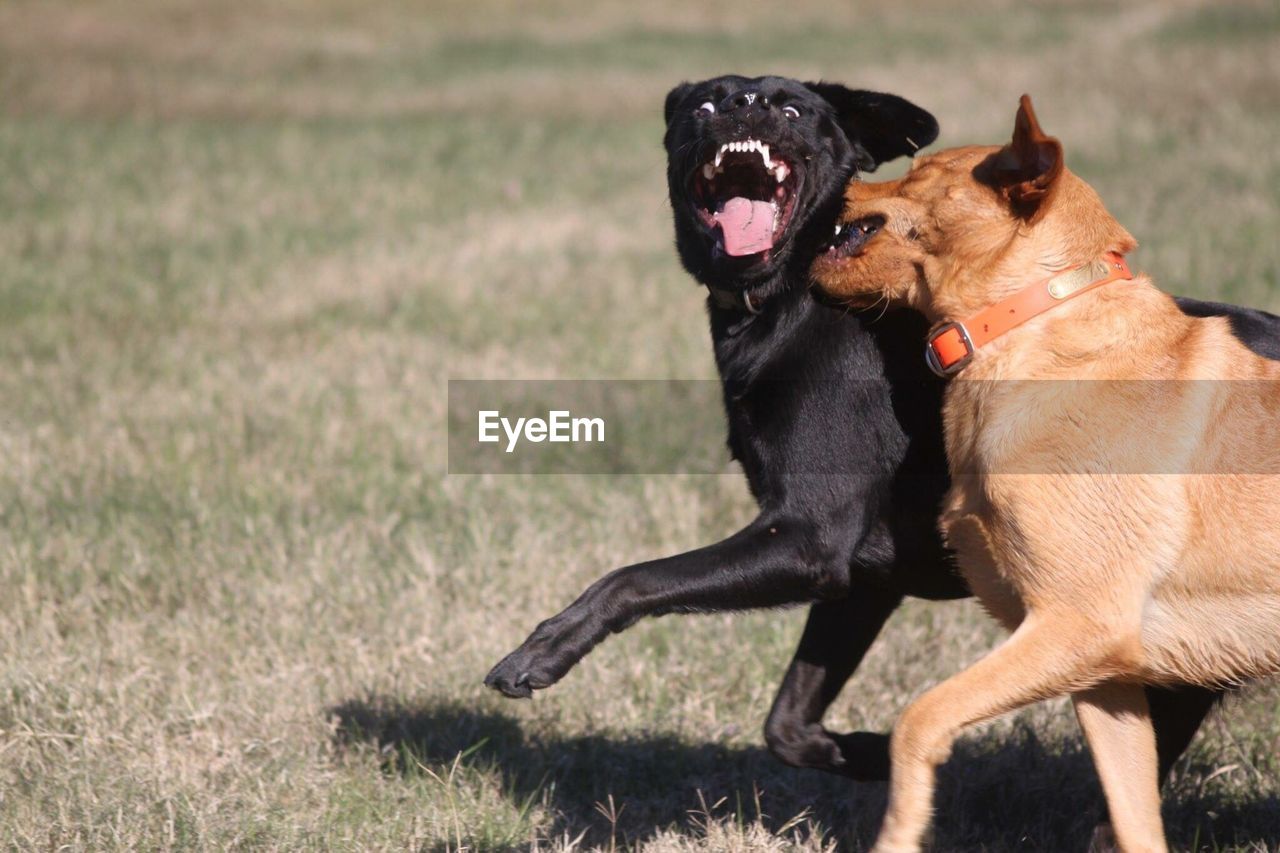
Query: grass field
{"points": [[242, 248]]}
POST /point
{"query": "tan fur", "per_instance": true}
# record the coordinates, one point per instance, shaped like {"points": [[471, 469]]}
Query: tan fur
{"points": [[1127, 531]]}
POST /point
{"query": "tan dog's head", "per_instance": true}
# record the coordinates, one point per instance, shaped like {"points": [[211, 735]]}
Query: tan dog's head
{"points": [[967, 226]]}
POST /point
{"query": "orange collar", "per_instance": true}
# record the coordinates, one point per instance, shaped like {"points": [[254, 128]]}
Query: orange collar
{"points": [[950, 346]]}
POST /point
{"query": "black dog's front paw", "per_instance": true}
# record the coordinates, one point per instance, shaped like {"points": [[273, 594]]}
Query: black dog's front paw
{"points": [[539, 663], [509, 679], [517, 676]]}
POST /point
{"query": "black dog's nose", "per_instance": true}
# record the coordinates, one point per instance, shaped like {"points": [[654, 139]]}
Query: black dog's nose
{"points": [[743, 99]]}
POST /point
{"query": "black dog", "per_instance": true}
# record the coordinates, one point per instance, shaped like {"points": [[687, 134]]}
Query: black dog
{"points": [[756, 172]]}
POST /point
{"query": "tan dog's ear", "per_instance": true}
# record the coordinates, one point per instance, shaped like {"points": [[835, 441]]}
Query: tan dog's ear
{"points": [[1029, 165]]}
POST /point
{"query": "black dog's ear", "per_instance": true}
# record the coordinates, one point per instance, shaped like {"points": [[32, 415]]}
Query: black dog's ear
{"points": [[883, 126], [674, 97]]}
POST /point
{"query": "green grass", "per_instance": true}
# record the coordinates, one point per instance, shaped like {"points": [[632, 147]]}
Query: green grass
{"points": [[243, 247]]}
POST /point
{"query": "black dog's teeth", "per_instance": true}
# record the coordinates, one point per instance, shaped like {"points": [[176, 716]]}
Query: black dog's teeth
{"points": [[779, 170]]}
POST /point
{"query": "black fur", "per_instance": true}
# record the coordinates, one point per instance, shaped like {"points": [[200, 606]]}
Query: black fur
{"points": [[836, 423], [1257, 330]]}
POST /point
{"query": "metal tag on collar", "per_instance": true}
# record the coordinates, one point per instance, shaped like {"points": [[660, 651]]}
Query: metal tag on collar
{"points": [[1066, 284], [931, 357], [748, 304]]}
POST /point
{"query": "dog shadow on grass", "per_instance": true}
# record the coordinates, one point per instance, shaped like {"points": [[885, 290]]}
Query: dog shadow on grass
{"points": [[1003, 792]]}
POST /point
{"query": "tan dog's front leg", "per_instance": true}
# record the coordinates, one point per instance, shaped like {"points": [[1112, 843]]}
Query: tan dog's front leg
{"points": [[1045, 657], [1117, 725]]}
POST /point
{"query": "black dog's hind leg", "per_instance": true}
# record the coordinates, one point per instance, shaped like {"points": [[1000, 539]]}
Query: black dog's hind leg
{"points": [[1176, 715], [835, 638], [772, 562]]}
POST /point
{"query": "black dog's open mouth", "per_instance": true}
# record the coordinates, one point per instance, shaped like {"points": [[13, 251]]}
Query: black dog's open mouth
{"points": [[746, 195], [850, 237]]}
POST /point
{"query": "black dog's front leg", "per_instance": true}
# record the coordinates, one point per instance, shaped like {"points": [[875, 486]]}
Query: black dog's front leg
{"points": [[769, 563], [834, 641]]}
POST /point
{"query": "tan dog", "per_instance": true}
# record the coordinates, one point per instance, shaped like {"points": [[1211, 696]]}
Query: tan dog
{"points": [[1124, 521]]}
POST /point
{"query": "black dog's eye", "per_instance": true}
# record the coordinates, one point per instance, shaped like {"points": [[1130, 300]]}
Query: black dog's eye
{"points": [[706, 109], [790, 112]]}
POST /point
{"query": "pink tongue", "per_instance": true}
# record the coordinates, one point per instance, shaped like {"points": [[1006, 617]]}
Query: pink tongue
{"points": [[747, 226]]}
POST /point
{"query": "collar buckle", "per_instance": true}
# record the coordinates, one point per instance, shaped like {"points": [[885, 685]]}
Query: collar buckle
{"points": [[948, 349]]}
